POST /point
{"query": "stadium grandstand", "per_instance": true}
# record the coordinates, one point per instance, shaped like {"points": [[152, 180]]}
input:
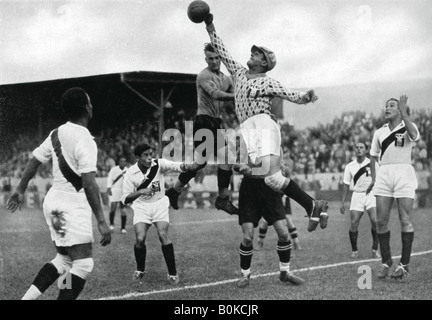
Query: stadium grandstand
{"points": [[138, 106]]}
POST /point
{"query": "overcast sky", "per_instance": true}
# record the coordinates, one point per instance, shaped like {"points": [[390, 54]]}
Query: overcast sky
{"points": [[316, 42]]}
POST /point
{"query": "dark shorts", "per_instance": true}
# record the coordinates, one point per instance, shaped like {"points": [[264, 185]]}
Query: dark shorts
{"points": [[257, 200], [211, 123]]}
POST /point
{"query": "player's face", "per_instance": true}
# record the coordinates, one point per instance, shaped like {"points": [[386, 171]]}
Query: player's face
{"points": [[256, 59], [213, 61], [360, 149], [146, 158], [122, 163], [391, 110]]}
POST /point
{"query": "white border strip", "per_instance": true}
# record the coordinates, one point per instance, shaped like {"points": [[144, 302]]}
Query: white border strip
{"points": [[217, 283]]}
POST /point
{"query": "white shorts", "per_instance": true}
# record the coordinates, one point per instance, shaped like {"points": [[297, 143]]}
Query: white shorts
{"points": [[396, 181], [116, 195], [151, 212], [75, 215], [261, 135], [360, 201]]}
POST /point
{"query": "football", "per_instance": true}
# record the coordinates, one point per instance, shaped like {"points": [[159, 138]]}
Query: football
{"points": [[198, 11]]}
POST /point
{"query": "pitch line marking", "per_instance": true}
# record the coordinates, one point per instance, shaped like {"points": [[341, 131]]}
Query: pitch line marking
{"points": [[217, 283]]}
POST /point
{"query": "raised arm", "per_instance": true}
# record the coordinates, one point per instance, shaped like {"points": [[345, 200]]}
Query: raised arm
{"points": [[231, 65], [412, 130]]}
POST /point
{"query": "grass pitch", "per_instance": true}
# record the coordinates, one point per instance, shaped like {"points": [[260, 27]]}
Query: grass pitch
{"points": [[206, 245]]}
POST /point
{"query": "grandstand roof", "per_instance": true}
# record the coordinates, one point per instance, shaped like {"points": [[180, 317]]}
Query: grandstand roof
{"points": [[159, 77]]}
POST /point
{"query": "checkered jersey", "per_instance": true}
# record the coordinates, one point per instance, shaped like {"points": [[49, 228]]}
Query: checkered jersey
{"points": [[252, 93]]}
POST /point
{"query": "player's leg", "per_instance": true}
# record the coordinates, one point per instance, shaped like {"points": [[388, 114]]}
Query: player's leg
{"points": [[292, 229], [113, 209], [161, 222], [262, 232], [140, 249], [250, 212], [353, 231], [383, 207], [315, 209], [284, 247], [246, 252], [405, 206], [123, 217], [49, 274], [201, 122], [82, 266], [167, 250], [373, 220]]}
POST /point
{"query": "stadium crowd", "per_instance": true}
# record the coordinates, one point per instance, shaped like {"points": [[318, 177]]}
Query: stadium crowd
{"points": [[324, 148]]}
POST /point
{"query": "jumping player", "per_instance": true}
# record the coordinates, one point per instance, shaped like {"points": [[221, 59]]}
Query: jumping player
{"points": [[396, 179], [115, 191], [144, 187], [358, 172], [214, 88], [69, 203], [253, 92]]}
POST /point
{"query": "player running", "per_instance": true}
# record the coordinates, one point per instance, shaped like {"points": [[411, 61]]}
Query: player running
{"points": [[253, 91], [396, 179], [358, 172]]}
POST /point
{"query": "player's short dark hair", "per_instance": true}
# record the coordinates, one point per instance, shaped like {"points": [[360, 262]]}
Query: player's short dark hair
{"points": [[140, 148], [209, 47], [74, 102], [362, 142]]}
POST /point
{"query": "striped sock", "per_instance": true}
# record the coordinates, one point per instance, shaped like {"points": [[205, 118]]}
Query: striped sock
{"points": [[245, 257], [293, 232], [284, 252]]}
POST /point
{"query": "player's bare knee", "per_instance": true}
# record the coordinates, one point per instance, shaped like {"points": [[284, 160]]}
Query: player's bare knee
{"points": [[277, 181], [82, 267], [406, 226], [140, 241], [163, 237], [247, 242]]}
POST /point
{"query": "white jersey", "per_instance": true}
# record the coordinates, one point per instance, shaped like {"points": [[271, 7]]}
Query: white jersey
{"points": [[73, 151], [115, 178], [393, 147], [359, 174], [154, 178]]}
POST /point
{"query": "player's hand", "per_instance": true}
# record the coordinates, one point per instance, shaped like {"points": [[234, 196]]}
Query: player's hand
{"points": [[342, 208], [402, 106], [109, 191], [15, 201], [105, 233], [310, 97], [209, 20], [244, 169], [148, 192]]}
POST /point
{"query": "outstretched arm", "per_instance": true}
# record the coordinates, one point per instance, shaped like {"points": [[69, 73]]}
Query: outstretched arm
{"points": [[276, 89], [231, 65]]}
